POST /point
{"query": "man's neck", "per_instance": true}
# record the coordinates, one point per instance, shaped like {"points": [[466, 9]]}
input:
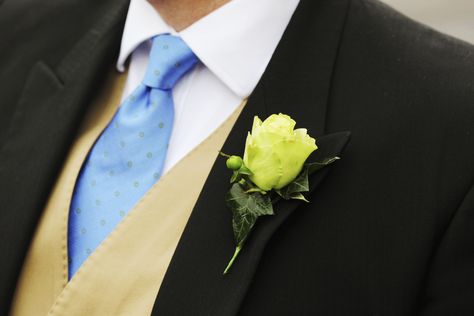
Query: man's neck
{"points": [[180, 14]]}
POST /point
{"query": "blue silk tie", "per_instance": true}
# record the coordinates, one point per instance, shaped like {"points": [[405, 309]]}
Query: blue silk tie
{"points": [[128, 157]]}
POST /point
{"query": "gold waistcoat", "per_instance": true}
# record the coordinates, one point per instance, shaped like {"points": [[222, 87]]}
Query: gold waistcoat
{"points": [[123, 275]]}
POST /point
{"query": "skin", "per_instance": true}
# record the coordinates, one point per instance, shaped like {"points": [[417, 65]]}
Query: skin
{"points": [[180, 14]]}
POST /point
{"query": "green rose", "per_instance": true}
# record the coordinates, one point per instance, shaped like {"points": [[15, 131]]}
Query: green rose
{"points": [[275, 152]]}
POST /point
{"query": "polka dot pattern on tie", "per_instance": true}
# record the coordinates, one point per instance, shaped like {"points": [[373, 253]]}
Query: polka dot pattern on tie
{"points": [[129, 156]]}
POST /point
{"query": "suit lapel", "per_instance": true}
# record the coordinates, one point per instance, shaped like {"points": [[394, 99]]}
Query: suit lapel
{"points": [[297, 82], [47, 115]]}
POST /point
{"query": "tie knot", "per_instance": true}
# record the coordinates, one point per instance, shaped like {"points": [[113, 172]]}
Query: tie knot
{"points": [[170, 59]]}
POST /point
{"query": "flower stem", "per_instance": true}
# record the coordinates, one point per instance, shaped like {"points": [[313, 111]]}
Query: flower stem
{"points": [[236, 253], [224, 155]]}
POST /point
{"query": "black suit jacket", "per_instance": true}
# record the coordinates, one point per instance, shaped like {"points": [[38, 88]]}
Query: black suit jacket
{"points": [[390, 229]]}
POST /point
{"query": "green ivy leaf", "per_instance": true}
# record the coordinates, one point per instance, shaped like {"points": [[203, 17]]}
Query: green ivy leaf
{"points": [[316, 166], [242, 224], [246, 208], [300, 184]]}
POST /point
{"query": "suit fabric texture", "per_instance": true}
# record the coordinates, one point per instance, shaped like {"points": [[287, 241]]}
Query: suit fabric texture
{"points": [[389, 228]]}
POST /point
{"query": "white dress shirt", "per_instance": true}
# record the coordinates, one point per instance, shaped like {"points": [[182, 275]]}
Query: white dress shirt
{"points": [[234, 44]]}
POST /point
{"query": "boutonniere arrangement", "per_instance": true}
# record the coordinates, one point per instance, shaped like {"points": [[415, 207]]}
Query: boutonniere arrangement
{"points": [[273, 167]]}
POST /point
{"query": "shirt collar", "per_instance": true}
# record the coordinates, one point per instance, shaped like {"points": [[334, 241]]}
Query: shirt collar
{"points": [[142, 23], [235, 42]]}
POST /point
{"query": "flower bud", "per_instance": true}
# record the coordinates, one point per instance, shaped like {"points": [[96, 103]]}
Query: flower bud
{"points": [[234, 162]]}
